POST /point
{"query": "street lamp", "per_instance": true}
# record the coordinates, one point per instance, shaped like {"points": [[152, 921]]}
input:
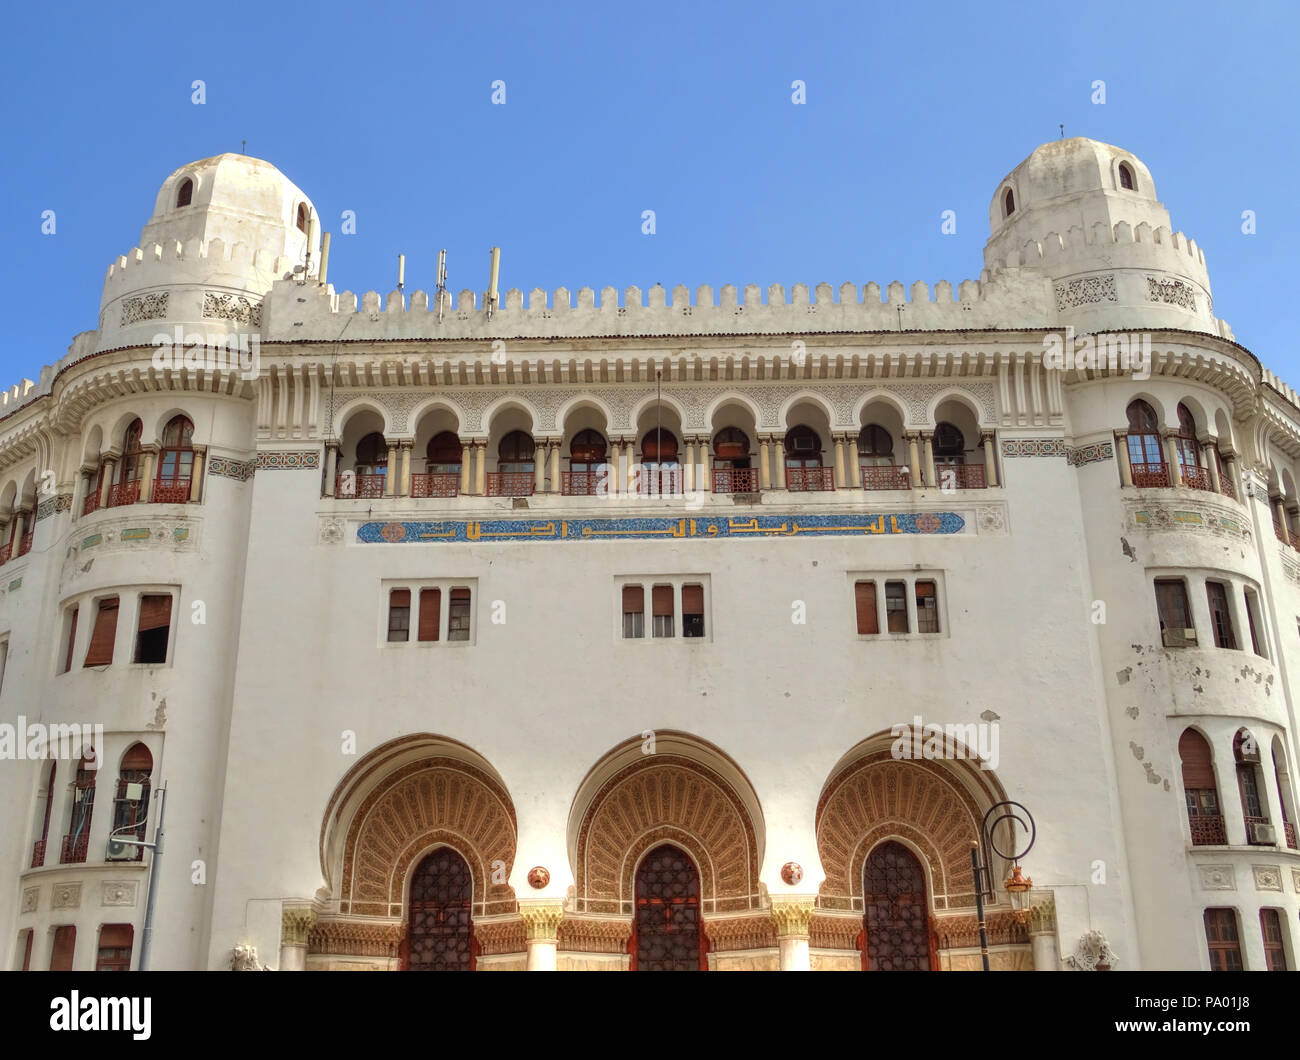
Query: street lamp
{"points": [[1017, 885]]}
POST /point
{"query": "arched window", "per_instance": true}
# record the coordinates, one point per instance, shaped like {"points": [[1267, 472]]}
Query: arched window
{"points": [[666, 929], [659, 447], [949, 445], [896, 925], [38, 850], [516, 452], [731, 447], [1008, 203], [175, 462], [803, 448], [587, 451], [372, 455], [443, 454], [1189, 455], [185, 194], [1126, 177], [131, 807], [440, 933], [131, 465], [1270, 926], [1204, 814], [1285, 796], [875, 447], [1253, 807], [76, 842], [1144, 452], [302, 217]]}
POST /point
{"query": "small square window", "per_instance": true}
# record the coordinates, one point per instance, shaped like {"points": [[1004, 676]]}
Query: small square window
{"points": [[399, 616]]}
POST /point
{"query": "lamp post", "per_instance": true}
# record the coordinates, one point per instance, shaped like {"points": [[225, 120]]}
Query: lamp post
{"points": [[1018, 886]]}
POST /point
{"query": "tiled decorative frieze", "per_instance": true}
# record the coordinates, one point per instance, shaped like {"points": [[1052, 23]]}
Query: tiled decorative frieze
{"points": [[1207, 518], [1033, 447], [52, 505], [688, 527], [239, 470], [234, 307], [143, 307], [1174, 292], [1086, 290], [300, 460], [1089, 454]]}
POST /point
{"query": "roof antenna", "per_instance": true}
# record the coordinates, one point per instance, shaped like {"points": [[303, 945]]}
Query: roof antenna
{"points": [[1062, 128], [243, 144]]}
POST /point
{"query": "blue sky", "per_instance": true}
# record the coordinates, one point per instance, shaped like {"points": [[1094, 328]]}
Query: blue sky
{"points": [[685, 109]]}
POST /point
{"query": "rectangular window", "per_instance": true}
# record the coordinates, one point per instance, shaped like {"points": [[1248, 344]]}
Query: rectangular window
{"points": [[399, 616], [25, 949], [65, 945], [100, 652], [692, 610], [864, 602], [1252, 609], [1175, 615], [633, 612], [1220, 617], [896, 606], [430, 614], [155, 626], [458, 622], [72, 640], [927, 608], [115, 942], [1221, 935], [661, 599], [1270, 925]]}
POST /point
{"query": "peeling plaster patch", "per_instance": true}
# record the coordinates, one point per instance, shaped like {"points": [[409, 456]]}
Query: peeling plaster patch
{"points": [[1132, 712], [1166, 785], [1152, 776], [1123, 676], [1138, 752]]}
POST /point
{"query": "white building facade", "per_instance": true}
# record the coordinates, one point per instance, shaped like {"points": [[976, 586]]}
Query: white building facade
{"points": [[604, 632]]}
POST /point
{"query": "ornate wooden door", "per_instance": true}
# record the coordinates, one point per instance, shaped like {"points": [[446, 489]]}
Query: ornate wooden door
{"points": [[667, 935], [896, 924], [440, 933]]}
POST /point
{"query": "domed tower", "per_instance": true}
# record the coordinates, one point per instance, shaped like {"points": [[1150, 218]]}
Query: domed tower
{"points": [[1087, 214], [222, 231]]}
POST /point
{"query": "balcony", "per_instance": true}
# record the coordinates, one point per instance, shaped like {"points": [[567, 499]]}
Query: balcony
{"points": [[582, 483], [38, 853], [91, 503], [809, 479], [652, 481], [510, 484], [123, 493], [960, 476], [1226, 487], [886, 477], [1208, 830], [735, 480], [170, 491], [360, 485], [436, 484], [74, 850], [1289, 829], [1197, 478], [25, 544], [1147, 475]]}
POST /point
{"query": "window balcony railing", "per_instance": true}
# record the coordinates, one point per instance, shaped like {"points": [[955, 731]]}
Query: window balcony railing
{"points": [[735, 480], [510, 484], [91, 503], [1226, 487], [809, 479], [1197, 478], [360, 486], [654, 481], [1293, 539], [1208, 830], [1150, 475], [38, 853], [1279, 532], [25, 544], [886, 477], [6, 554], [436, 484], [1289, 829], [960, 476], [582, 483], [74, 850], [170, 491], [123, 493]]}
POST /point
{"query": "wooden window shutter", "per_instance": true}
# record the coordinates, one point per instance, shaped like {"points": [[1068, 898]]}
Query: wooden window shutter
{"points": [[459, 594], [400, 598], [430, 613], [864, 599], [692, 599], [72, 640], [155, 612], [662, 600], [116, 935], [1198, 764], [633, 600], [100, 652], [137, 759], [65, 945]]}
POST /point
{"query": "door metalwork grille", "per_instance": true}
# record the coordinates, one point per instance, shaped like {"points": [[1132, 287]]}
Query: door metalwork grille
{"points": [[896, 923], [668, 936], [440, 937]]}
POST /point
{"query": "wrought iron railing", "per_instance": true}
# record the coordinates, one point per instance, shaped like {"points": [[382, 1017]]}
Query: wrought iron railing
{"points": [[735, 480], [1279, 532], [1289, 830], [25, 544], [170, 491], [1254, 822], [583, 483], [91, 503], [123, 493], [1226, 487], [362, 486], [960, 476], [510, 483], [74, 850], [1197, 478], [1150, 475], [436, 484], [658, 481], [6, 554], [809, 479], [38, 853], [1208, 830], [887, 477]]}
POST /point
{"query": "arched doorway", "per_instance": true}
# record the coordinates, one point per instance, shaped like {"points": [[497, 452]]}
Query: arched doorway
{"points": [[440, 933], [896, 923], [666, 936]]}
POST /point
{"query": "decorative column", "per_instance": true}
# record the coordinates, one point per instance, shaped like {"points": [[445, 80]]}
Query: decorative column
{"points": [[1042, 935], [793, 918], [990, 466], [914, 460], [539, 468], [480, 471], [146, 474], [839, 461], [930, 480], [20, 528], [466, 467], [110, 460], [331, 467], [1211, 464], [1171, 456], [541, 929], [688, 471], [612, 468], [854, 469], [390, 470], [1121, 454], [196, 476], [295, 925], [1234, 474], [629, 457], [555, 464], [1279, 509], [405, 447], [764, 464]]}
